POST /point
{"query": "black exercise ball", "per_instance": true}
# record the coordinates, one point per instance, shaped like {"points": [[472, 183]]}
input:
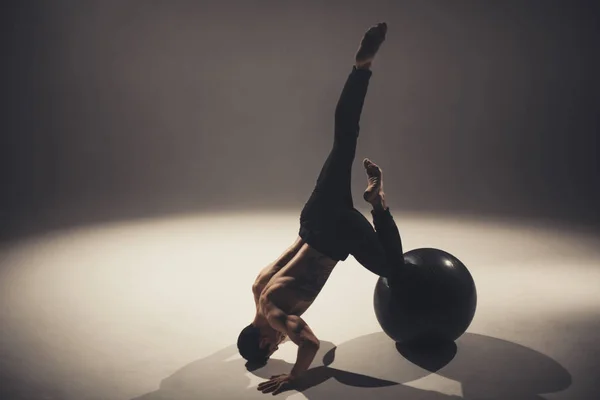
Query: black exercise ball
{"points": [[429, 300]]}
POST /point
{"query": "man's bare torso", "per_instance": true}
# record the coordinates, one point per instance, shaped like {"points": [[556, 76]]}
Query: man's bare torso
{"points": [[294, 287]]}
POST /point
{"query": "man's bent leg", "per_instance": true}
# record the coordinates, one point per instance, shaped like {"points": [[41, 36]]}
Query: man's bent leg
{"points": [[378, 249]]}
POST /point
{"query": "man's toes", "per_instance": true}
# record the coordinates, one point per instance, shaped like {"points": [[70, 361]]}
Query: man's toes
{"points": [[378, 30], [368, 164]]}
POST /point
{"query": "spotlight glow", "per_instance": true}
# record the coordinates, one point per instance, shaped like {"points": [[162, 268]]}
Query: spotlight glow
{"points": [[111, 310]]}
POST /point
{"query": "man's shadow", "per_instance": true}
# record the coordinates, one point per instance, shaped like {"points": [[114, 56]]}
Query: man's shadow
{"points": [[371, 366]]}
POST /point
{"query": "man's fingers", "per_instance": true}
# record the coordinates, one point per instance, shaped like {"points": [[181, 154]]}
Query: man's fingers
{"points": [[281, 388], [263, 384], [273, 385], [270, 381], [267, 387], [284, 387]]}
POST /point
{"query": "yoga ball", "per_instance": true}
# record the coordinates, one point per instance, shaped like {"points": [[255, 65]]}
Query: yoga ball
{"points": [[429, 300]]}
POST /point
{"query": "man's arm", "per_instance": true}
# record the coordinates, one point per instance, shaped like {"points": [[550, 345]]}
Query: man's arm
{"points": [[298, 332]]}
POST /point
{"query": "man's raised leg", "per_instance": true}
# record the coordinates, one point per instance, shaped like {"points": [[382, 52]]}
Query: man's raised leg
{"points": [[333, 187]]}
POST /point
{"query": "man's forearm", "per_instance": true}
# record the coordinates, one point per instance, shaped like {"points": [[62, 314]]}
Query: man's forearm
{"points": [[300, 333], [306, 355]]}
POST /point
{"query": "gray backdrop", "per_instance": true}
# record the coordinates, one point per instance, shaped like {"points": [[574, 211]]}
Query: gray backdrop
{"points": [[115, 110]]}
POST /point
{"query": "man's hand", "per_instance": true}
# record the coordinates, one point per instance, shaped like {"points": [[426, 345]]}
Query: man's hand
{"points": [[277, 384]]}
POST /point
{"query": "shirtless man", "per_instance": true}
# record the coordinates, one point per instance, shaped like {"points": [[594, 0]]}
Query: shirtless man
{"points": [[330, 230]]}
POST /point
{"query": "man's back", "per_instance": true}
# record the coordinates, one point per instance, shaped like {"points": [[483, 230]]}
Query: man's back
{"points": [[295, 286]]}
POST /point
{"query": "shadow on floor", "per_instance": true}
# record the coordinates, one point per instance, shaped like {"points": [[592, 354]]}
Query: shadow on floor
{"points": [[371, 366]]}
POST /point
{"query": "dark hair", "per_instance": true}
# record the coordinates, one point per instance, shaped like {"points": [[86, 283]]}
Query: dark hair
{"points": [[249, 345]]}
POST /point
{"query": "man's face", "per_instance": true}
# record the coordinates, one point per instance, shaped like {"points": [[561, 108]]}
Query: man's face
{"points": [[271, 339]]}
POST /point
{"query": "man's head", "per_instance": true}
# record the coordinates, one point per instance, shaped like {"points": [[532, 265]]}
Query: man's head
{"points": [[257, 343]]}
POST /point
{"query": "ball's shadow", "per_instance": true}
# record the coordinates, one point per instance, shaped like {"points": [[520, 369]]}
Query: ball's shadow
{"points": [[372, 366], [430, 358]]}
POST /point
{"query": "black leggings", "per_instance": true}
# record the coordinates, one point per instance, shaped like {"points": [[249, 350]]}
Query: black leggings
{"points": [[329, 222]]}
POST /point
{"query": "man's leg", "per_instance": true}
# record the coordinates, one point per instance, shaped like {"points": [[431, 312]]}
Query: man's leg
{"points": [[333, 188], [380, 249], [385, 226]]}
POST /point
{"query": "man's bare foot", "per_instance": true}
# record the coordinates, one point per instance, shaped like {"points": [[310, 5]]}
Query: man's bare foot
{"points": [[374, 192], [369, 45]]}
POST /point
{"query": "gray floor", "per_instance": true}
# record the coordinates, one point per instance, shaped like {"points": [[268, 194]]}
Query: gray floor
{"points": [[151, 310]]}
